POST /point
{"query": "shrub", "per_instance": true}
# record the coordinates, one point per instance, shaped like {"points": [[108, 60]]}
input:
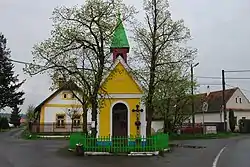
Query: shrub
{"points": [[232, 120], [4, 123]]}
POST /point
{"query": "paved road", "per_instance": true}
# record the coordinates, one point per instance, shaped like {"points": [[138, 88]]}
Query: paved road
{"points": [[236, 154], [40, 153]]}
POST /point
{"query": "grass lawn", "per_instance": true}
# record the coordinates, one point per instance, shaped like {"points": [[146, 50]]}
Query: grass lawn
{"points": [[4, 130], [202, 136]]}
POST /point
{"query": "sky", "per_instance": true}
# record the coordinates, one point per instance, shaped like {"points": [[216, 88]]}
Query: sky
{"points": [[220, 31]]}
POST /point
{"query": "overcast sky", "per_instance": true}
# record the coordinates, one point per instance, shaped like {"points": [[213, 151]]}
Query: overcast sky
{"points": [[220, 30]]}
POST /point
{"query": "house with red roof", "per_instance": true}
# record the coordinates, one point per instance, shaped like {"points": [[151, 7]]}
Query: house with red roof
{"points": [[235, 100]]}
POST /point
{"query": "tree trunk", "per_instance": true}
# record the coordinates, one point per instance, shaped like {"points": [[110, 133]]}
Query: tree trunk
{"points": [[166, 118], [84, 117], [94, 116], [149, 112], [72, 122], [99, 76], [151, 86], [149, 121]]}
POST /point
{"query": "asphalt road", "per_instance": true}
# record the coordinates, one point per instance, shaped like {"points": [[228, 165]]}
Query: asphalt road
{"points": [[41, 153], [236, 154]]}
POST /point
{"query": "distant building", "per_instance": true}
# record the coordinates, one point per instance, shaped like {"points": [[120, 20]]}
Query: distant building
{"points": [[53, 114], [23, 120], [235, 100]]}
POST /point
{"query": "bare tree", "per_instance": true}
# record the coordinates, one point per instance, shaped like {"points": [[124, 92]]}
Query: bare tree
{"points": [[160, 47], [79, 47], [73, 113], [30, 113]]}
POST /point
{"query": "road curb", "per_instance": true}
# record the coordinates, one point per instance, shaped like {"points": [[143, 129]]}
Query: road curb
{"points": [[53, 137], [186, 146]]}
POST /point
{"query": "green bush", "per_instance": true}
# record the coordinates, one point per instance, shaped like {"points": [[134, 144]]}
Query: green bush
{"points": [[4, 123], [232, 121]]}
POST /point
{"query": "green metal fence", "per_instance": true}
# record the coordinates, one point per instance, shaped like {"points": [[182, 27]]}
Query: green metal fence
{"points": [[119, 144]]}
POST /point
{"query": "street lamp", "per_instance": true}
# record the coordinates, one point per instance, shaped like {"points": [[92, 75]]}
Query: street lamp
{"points": [[192, 92]]}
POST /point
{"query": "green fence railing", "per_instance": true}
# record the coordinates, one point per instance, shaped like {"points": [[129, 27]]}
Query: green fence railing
{"points": [[119, 144]]}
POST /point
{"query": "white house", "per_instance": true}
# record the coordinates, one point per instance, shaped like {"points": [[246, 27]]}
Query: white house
{"points": [[54, 114], [235, 100]]}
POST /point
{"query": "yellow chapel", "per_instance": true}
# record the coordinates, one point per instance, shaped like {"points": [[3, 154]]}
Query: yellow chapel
{"points": [[123, 112]]}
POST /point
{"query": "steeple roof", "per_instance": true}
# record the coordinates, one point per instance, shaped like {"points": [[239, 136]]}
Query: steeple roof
{"points": [[120, 39]]}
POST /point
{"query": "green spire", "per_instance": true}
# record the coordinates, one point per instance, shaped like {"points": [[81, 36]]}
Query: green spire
{"points": [[120, 39]]}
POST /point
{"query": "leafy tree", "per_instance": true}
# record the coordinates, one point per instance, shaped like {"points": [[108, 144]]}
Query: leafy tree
{"points": [[172, 100], [15, 116], [9, 84], [160, 48], [4, 123], [79, 48], [232, 121]]}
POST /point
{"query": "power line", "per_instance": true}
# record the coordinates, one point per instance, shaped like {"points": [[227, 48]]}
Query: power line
{"points": [[23, 62], [201, 77], [204, 77], [20, 62], [27, 63], [237, 71], [216, 84]]}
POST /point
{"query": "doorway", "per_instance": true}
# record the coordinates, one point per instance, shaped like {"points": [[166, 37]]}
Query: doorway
{"points": [[119, 120]]}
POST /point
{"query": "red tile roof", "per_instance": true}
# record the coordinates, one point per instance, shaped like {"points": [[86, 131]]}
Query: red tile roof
{"points": [[214, 99]]}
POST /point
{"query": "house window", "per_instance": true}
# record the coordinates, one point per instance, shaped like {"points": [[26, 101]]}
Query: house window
{"points": [[60, 121], [65, 95], [243, 117], [236, 100], [240, 100], [77, 121]]}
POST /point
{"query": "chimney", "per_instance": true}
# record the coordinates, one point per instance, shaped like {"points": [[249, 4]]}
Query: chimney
{"points": [[208, 90]]}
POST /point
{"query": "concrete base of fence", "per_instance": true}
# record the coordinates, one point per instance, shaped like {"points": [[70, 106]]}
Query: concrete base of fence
{"points": [[53, 136], [144, 153], [155, 153], [167, 150], [97, 153]]}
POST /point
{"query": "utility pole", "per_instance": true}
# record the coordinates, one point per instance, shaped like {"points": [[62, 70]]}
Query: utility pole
{"points": [[192, 93], [223, 100]]}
